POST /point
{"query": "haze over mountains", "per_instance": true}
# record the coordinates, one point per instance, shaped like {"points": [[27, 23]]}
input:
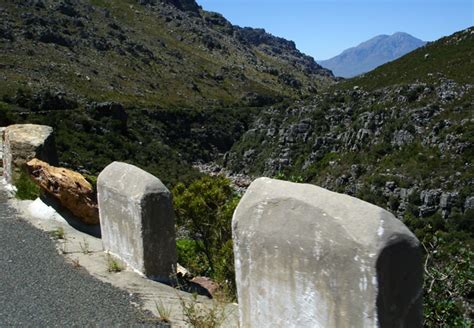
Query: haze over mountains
{"points": [[371, 54]]}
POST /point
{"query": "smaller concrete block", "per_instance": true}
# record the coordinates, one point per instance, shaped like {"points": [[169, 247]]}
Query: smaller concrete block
{"points": [[137, 220], [23, 142]]}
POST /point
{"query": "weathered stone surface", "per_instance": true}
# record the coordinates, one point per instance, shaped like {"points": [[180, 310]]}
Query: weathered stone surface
{"points": [[308, 257], [469, 203], [1, 149], [70, 188], [137, 220], [402, 137], [23, 142]]}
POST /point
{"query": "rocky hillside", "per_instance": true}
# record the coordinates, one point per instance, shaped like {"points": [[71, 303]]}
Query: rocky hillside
{"points": [[371, 54], [164, 84], [146, 53], [406, 145], [401, 137]]}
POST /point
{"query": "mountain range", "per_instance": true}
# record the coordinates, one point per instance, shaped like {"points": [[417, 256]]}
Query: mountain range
{"points": [[371, 54]]}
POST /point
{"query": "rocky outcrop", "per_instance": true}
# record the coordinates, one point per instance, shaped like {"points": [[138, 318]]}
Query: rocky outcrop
{"points": [[23, 142], [185, 5], [70, 188], [321, 138], [338, 261], [110, 55]]}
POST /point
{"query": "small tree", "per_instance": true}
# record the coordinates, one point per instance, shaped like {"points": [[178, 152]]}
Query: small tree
{"points": [[204, 210]]}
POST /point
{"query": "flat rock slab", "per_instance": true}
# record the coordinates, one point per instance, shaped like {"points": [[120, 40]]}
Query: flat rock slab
{"points": [[308, 257]]}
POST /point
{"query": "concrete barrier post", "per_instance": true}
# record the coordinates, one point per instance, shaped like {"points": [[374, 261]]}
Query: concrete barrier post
{"points": [[308, 257], [137, 220], [23, 142]]}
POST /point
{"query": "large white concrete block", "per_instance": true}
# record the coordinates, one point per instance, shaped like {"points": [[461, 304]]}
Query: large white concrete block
{"points": [[308, 257], [137, 220]]}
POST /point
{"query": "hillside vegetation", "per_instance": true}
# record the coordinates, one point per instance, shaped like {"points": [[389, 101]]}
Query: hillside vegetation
{"points": [[118, 79], [147, 53], [164, 84]]}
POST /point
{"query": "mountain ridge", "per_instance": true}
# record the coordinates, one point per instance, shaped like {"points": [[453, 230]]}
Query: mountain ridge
{"points": [[371, 53], [148, 53]]}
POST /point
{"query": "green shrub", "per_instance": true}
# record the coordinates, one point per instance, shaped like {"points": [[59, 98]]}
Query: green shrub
{"points": [[291, 178], [204, 209], [448, 285], [26, 188], [190, 256], [92, 179], [5, 114]]}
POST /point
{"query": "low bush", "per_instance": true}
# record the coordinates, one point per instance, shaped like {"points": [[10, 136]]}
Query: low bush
{"points": [[26, 188], [190, 256], [204, 210]]}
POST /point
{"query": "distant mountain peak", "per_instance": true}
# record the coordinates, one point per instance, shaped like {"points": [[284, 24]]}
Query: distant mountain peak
{"points": [[401, 33], [372, 53]]}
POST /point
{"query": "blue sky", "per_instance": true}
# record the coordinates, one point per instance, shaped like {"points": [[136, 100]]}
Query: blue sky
{"points": [[323, 28]]}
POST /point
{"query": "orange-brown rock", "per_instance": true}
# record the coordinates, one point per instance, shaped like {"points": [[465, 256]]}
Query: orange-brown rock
{"points": [[70, 188], [211, 286]]}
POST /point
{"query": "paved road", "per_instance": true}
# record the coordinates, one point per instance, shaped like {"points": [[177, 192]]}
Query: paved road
{"points": [[39, 289]]}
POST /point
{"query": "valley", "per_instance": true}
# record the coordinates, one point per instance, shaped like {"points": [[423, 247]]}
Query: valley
{"points": [[167, 85]]}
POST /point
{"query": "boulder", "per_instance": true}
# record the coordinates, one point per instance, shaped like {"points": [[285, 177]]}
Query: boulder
{"points": [[309, 257], [402, 137], [70, 188], [210, 286], [23, 142], [469, 203], [137, 220]]}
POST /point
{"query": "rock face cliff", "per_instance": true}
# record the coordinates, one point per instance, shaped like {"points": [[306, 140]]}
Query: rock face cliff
{"points": [[371, 54], [146, 52]]}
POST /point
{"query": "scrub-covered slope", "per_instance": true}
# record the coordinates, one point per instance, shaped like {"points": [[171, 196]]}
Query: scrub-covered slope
{"points": [[147, 52]]}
